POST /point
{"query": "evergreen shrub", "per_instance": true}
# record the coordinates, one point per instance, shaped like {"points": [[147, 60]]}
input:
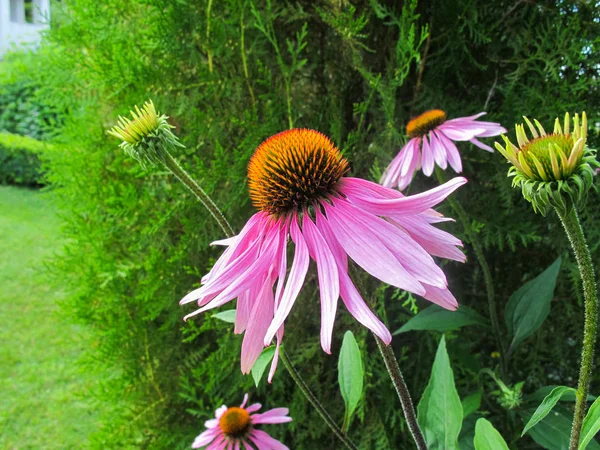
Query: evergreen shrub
{"points": [[232, 73]]}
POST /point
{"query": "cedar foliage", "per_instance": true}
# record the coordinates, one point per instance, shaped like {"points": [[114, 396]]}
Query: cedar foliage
{"points": [[230, 74]]}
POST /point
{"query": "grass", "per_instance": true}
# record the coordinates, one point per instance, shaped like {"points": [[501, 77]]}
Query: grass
{"points": [[45, 398]]}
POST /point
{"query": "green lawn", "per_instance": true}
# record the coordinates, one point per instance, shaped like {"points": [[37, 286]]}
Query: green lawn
{"points": [[44, 395]]}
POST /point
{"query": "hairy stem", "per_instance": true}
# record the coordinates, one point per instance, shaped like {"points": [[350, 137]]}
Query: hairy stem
{"points": [[313, 400], [391, 363], [487, 274], [184, 177], [574, 232]]}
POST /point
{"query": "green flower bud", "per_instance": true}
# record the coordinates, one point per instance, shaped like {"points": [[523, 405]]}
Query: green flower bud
{"points": [[147, 137], [552, 170]]}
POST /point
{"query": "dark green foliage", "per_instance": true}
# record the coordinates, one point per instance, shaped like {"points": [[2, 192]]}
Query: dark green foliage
{"points": [[233, 75], [19, 160]]}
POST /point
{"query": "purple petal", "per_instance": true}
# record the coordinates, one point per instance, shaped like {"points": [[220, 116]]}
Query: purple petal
{"points": [[276, 415], [441, 297], [364, 247], [327, 272], [294, 282], [439, 152], [265, 442], [482, 145], [452, 152], [259, 321], [427, 157], [206, 437], [404, 205]]}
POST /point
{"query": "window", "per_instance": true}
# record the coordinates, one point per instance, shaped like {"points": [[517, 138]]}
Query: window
{"points": [[23, 11]]}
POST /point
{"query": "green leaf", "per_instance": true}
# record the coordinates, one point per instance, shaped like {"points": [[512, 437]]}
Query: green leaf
{"points": [[440, 411], [439, 319], [226, 316], [529, 306], [350, 375], [554, 431], [543, 392], [546, 406], [261, 364], [487, 437], [471, 403], [591, 424]]}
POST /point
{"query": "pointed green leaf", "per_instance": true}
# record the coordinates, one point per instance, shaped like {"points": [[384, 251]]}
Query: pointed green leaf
{"points": [[350, 375], [440, 411], [529, 306], [487, 437], [261, 364], [546, 406], [471, 403], [226, 316], [439, 319], [591, 424], [554, 431]]}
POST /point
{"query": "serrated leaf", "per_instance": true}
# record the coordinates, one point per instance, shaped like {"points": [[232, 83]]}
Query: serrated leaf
{"points": [[261, 364], [226, 316], [350, 375], [471, 403], [591, 425], [546, 406], [440, 411], [437, 318], [487, 437], [529, 306]]}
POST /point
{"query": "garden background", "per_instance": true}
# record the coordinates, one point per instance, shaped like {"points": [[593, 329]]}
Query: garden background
{"points": [[128, 244]]}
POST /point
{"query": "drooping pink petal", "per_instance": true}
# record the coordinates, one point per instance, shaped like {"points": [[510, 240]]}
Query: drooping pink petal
{"points": [[439, 152], [248, 277], [260, 318], [441, 297], [275, 359], [426, 157], [294, 282], [435, 241], [327, 272], [219, 443], [350, 295], [365, 248], [392, 172], [452, 152], [481, 145], [220, 411], [413, 258], [253, 407], [459, 133], [412, 204], [276, 415], [206, 437], [244, 401], [265, 442]]}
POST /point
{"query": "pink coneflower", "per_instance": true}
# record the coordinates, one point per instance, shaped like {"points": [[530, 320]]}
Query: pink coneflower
{"points": [[234, 426], [296, 180], [432, 143]]}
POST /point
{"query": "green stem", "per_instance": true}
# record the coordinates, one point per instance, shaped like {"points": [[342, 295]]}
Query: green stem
{"points": [[313, 400], [574, 232], [183, 176], [393, 368], [487, 274], [391, 363]]}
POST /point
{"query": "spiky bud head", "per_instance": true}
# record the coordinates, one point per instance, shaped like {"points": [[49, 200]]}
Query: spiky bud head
{"points": [[147, 136], [552, 170]]}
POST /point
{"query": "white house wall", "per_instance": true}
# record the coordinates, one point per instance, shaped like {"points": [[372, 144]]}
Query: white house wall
{"points": [[15, 31]]}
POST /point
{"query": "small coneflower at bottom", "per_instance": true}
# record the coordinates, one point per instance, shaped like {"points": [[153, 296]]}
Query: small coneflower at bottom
{"points": [[234, 426]]}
